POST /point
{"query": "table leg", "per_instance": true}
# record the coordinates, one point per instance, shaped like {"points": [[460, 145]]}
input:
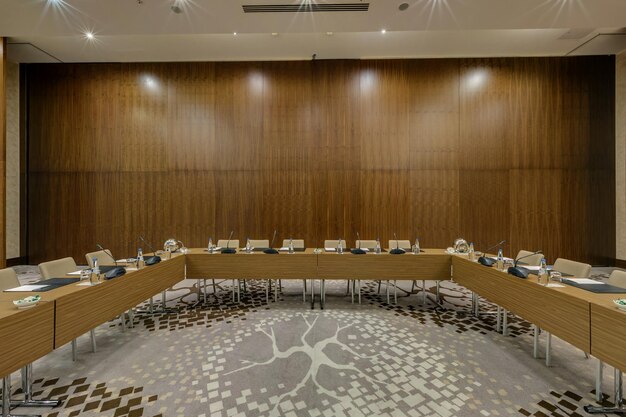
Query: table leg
{"points": [[535, 341], [618, 404], [548, 349]]}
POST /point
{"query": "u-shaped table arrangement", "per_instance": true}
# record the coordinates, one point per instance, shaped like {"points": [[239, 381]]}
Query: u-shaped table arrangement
{"points": [[587, 320]]}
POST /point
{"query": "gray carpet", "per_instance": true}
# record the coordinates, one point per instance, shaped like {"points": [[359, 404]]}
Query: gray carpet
{"points": [[282, 359]]}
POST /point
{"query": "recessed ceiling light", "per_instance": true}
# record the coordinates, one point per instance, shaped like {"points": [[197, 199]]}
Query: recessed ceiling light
{"points": [[90, 36], [402, 7], [234, 33], [274, 33], [329, 33], [383, 31], [176, 8]]}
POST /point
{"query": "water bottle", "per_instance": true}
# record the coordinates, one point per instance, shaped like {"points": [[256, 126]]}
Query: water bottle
{"points": [[291, 246], [472, 255], [95, 271], [542, 274], [377, 249], [140, 262], [340, 247], [500, 261], [416, 247], [248, 246], [168, 250], [210, 247]]}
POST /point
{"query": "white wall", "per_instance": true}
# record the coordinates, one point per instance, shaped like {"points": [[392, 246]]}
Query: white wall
{"points": [[13, 162]]}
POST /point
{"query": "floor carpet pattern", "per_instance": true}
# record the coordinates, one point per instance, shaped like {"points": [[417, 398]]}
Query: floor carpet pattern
{"points": [[253, 358]]}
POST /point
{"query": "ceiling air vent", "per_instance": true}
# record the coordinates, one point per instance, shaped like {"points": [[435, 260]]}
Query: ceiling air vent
{"points": [[306, 7]]}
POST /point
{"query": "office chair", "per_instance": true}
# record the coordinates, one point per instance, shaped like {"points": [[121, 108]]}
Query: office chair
{"points": [[59, 268]]}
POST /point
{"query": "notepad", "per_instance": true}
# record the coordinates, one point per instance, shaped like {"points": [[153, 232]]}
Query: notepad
{"points": [[75, 272], [26, 288], [585, 281], [532, 267]]}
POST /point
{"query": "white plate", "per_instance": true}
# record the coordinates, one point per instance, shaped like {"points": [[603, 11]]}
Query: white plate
{"points": [[621, 307], [23, 304]]}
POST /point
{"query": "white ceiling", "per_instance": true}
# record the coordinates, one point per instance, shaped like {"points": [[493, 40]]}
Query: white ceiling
{"points": [[128, 31]]}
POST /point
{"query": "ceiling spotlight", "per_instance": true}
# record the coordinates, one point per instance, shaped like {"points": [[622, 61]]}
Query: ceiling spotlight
{"points": [[176, 9], [90, 36], [403, 7], [234, 33], [383, 31], [329, 33], [274, 33]]}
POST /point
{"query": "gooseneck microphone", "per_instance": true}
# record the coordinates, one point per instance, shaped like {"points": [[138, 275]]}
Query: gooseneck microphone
{"points": [[150, 260], [397, 250], [483, 260], [228, 249], [520, 271], [108, 252], [358, 250], [271, 250]]}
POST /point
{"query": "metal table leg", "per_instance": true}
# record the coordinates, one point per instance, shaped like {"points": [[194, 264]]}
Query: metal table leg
{"points": [[312, 285], [505, 322], [618, 405], [498, 319], [599, 375], [535, 341], [322, 293], [548, 349], [359, 286], [27, 387], [395, 292], [6, 398], [276, 291]]}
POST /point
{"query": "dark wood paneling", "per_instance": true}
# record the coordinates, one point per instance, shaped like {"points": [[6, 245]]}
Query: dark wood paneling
{"points": [[3, 142], [487, 149]]}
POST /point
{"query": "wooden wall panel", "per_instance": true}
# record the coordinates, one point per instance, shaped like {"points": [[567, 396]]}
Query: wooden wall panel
{"points": [[3, 143], [486, 149]]}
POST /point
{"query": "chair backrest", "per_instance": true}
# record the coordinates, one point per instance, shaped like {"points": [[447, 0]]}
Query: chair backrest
{"points": [[260, 243], [404, 244], [8, 279], [334, 243], [297, 243], [532, 260], [234, 243], [576, 269], [365, 244], [103, 258], [618, 278], [57, 268]]}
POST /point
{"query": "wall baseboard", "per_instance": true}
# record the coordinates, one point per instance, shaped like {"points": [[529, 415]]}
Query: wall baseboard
{"points": [[620, 263], [23, 260]]}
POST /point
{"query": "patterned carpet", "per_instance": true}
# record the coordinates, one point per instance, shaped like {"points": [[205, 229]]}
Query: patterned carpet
{"points": [[283, 359]]}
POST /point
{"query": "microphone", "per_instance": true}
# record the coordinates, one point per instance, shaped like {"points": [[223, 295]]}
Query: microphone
{"points": [[520, 271], [397, 250], [271, 250], [358, 251], [483, 260], [150, 260], [108, 252], [228, 249]]}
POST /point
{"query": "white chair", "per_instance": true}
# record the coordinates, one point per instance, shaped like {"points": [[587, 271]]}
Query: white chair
{"points": [[530, 258], [104, 258], [575, 269], [59, 268], [406, 245], [222, 243], [617, 278], [8, 279], [297, 244]]}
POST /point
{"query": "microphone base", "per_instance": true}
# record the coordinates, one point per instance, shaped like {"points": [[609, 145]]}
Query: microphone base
{"points": [[151, 260], [486, 261], [519, 272], [397, 252], [357, 251], [271, 251], [118, 271], [229, 250]]}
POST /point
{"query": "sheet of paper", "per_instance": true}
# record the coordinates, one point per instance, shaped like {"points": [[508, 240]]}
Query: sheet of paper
{"points": [[553, 285], [505, 259], [74, 273], [26, 288], [530, 267], [584, 281], [330, 249]]}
